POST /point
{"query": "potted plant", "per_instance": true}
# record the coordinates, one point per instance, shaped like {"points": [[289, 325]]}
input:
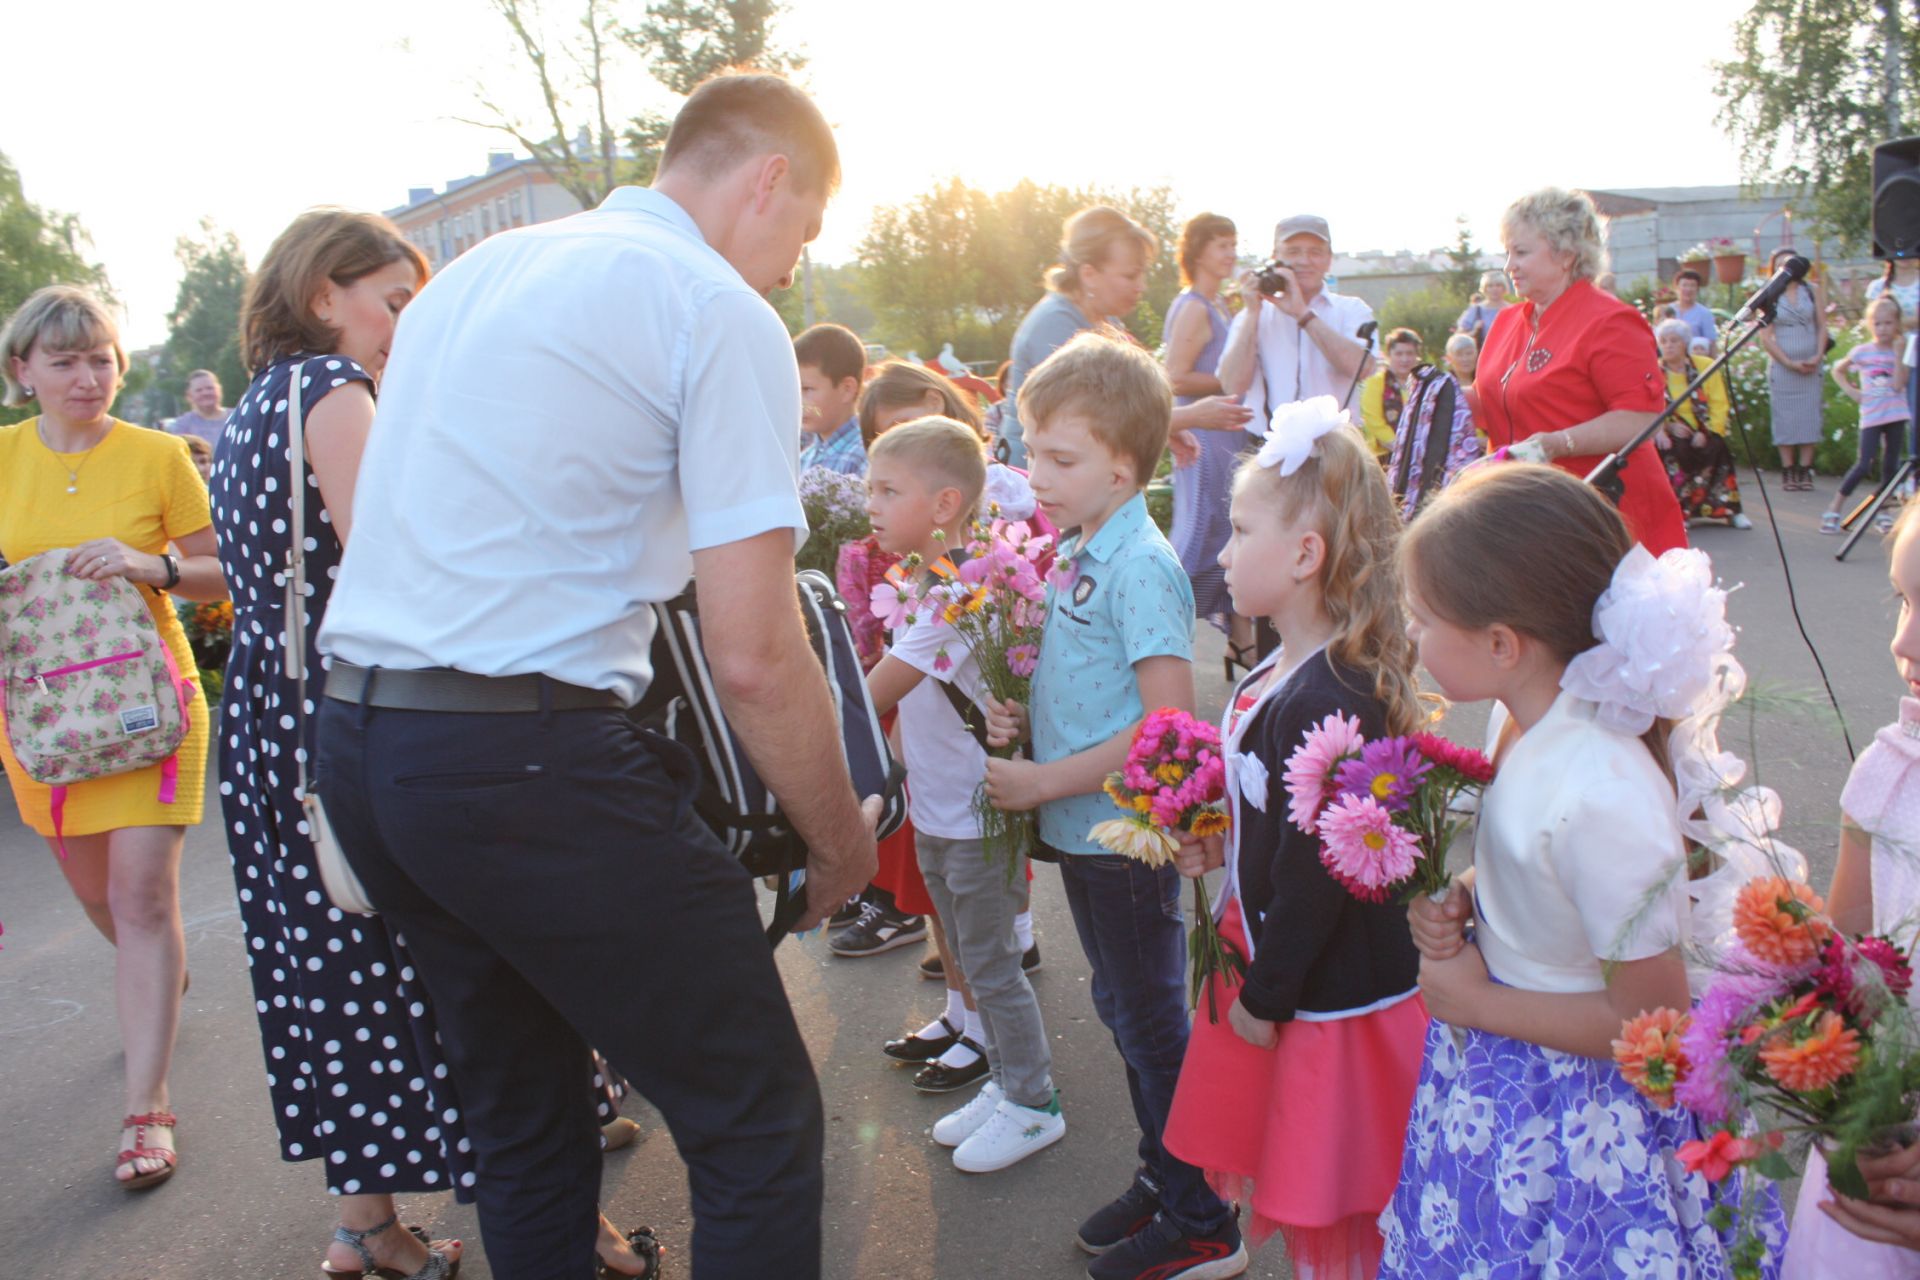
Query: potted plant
{"points": [[1729, 262], [1697, 260]]}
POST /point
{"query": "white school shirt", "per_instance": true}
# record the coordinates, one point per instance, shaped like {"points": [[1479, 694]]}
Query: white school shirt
{"points": [[1291, 365], [945, 763], [1577, 854], [570, 410]]}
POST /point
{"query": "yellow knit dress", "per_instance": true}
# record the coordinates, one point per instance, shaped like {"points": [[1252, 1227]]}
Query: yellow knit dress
{"points": [[141, 487]]}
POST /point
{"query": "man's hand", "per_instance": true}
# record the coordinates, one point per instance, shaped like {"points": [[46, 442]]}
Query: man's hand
{"points": [[1440, 928], [1292, 302], [833, 876], [1006, 722], [1014, 786]]}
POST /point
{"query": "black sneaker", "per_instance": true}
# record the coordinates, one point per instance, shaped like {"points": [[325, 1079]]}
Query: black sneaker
{"points": [[1112, 1223], [1162, 1251], [933, 968], [877, 930], [1030, 962], [850, 910]]}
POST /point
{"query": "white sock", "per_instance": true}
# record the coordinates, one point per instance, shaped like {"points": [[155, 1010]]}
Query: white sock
{"points": [[974, 1029], [958, 1056], [956, 1008], [935, 1030], [1023, 931]]}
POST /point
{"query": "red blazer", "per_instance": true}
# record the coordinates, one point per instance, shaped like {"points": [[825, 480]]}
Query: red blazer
{"points": [[1592, 354]]}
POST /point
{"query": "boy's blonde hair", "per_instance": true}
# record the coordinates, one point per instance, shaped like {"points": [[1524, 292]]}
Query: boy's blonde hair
{"points": [[1345, 493], [941, 452], [1121, 389]]}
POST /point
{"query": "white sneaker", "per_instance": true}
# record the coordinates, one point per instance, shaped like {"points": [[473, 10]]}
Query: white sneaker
{"points": [[956, 1127], [1739, 521], [1010, 1135]]}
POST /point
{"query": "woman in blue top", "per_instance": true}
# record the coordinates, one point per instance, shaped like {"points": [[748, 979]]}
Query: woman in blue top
{"points": [[1196, 333]]}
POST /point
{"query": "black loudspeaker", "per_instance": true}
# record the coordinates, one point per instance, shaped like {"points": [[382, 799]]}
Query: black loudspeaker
{"points": [[1896, 199]]}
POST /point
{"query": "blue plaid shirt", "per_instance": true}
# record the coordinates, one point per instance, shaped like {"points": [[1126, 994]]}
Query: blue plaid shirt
{"points": [[843, 451]]}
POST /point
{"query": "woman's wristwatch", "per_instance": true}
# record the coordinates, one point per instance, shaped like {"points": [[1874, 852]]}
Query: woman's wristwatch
{"points": [[172, 566]]}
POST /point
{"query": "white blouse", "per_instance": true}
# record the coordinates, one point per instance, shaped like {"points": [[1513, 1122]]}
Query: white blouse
{"points": [[1578, 858]]}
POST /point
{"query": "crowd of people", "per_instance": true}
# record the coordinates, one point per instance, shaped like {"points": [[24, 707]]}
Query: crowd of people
{"points": [[476, 632]]}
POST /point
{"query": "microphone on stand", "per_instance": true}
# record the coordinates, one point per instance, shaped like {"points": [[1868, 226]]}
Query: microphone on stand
{"points": [[1791, 272]]}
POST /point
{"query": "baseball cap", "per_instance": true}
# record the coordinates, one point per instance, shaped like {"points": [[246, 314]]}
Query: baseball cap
{"points": [[1302, 224]]}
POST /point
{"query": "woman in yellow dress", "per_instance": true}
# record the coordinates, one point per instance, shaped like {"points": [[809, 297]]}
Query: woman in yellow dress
{"points": [[116, 494]]}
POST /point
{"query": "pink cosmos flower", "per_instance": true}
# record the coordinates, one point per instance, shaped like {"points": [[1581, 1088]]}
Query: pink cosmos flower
{"points": [[892, 603], [1061, 576], [1023, 658], [1364, 850], [1309, 776]]}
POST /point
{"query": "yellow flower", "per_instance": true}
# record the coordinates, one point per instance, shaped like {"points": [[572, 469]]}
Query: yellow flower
{"points": [[1143, 804], [1140, 841], [1116, 790], [1169, 773], [1211, 822]]}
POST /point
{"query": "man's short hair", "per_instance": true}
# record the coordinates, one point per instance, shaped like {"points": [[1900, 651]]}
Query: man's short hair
{"points": [[834, 350], [942, 453], [737, 115], [1688, 273], [1121, 389], [1405, 337], [203, 373]]}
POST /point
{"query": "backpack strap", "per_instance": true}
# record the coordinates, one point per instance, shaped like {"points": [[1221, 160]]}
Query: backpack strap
{"points": [[295, 654], [969, 714]]}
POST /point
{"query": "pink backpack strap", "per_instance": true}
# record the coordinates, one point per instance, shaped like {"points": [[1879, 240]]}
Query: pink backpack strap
{"points": [[170, 767], [57, 809]]}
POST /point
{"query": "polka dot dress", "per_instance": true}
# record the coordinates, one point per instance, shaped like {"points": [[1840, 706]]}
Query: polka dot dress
{"points": [[353, 1060]]}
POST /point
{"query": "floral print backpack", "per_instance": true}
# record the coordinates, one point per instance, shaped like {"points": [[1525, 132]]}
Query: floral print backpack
{"points": [[90, 688]]}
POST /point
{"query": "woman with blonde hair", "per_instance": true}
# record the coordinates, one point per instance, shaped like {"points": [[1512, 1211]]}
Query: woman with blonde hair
{"points": [[74, 476], [1570, 374]]}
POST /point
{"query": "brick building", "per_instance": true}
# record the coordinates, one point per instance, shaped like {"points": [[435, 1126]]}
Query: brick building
{"points": [[511, 193]]}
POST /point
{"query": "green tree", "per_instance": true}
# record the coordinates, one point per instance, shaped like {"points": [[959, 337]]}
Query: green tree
{"points": [[203, 330], [38, 247], [956, 264], [1463, 277], [1811, 87], [685, 41]]}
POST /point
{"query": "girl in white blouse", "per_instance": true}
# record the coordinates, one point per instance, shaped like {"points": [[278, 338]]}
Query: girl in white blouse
{"points": [[1527, 1152]]}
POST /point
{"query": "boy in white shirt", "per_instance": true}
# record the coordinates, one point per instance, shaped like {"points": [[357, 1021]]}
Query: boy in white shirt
{"points": [[924, 480]]}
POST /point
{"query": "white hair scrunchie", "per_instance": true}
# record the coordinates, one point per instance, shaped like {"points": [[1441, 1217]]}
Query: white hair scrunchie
{"points": [[1296, 428]]}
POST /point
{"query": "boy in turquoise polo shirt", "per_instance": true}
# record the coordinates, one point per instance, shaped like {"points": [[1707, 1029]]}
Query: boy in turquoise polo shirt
{"points": [[1118, 642]]}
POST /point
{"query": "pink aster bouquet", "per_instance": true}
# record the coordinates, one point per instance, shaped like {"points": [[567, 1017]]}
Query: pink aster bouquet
{"points": [[1803, 1036], [1386, 810], [1173, 782], [993, 596]]}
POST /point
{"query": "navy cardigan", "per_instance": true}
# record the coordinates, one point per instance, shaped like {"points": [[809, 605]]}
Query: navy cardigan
{"points": [[1318, 949]]}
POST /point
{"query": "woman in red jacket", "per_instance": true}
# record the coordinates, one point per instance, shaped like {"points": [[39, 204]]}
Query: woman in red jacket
{"points": [[1572, 373]]}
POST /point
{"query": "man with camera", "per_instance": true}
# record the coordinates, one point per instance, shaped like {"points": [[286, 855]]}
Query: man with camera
{"points": [[1294, 340]]}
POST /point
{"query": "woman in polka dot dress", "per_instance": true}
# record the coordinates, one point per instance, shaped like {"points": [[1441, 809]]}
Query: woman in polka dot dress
{"points": [[353, 1062]]}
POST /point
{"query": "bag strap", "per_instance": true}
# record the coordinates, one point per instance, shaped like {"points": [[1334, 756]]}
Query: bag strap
{"points": [[969, 714], [295, 654]]}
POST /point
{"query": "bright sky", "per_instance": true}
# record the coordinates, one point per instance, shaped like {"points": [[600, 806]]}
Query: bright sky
{"points": [[1390, 118]]}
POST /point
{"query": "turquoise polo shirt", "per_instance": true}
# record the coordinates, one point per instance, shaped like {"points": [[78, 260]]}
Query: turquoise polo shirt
{"points": [[1129, 600]]}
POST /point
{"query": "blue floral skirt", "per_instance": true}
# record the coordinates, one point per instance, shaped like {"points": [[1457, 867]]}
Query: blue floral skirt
{"points": [[1525, 1162]]}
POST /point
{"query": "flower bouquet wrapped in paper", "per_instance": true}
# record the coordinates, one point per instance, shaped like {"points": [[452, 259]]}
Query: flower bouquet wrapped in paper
{"points": [[993, 596], [1385, 811], [1173, 782]]}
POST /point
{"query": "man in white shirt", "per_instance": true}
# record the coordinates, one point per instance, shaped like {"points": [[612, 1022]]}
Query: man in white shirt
{"points": [[1300, 342], [576, 415]]}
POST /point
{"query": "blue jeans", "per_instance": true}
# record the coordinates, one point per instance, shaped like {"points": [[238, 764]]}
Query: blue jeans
{"points": [[1128, 918]]}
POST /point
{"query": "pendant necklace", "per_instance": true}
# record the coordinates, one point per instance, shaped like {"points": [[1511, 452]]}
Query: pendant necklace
{"points": [[73, 473]]}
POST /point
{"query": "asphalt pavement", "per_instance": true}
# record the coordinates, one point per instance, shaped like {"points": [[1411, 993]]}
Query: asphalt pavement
{"points": [[896, 1209]]}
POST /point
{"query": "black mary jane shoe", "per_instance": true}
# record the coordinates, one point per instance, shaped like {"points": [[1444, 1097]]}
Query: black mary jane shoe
{"points": [[938, 1077], [916, 1049], [649, 1250]]}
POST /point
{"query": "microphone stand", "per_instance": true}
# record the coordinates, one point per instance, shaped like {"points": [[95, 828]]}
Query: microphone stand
{"points": [[1606, 476]]}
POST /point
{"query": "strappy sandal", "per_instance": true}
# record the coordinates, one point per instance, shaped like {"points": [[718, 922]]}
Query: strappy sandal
{"points": [[141, 1151], [650, 1251], [437, 1266], [1244, 656]]}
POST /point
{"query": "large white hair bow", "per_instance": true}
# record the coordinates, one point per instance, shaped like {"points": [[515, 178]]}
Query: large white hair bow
{"points": [[1008, 493], [1662, 627], [1296, 428]]}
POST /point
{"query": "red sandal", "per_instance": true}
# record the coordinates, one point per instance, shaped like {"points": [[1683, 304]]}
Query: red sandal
{"points": [[141, 1151]]}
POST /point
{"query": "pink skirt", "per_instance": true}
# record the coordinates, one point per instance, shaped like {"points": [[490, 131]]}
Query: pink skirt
{"points": [[1306, 1135]]}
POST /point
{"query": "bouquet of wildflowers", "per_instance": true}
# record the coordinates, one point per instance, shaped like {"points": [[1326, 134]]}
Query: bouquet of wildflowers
{"points": [[994, 599], [1803, 1036], [836, 509], [1174, 781], [1385, 811], [209, 629]]}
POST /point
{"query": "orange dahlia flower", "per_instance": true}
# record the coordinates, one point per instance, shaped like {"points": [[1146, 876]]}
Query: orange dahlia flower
{"points": [[1211, 822], [1829, 1052], [1648, 1052], [1780, 921]]}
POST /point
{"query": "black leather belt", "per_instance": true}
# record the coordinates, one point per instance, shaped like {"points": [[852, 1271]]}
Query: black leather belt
{"points": [[439, 689]]}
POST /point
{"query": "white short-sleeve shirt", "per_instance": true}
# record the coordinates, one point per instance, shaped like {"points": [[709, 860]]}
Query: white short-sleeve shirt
{"points": [[1291, 365], [945, 762], [1578, 856], [570, 410]]}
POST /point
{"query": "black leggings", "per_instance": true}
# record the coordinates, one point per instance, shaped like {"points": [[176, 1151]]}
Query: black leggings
{"points": [[1891, 437]]}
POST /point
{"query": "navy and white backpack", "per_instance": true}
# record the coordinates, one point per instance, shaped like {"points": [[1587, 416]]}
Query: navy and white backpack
{"points": [[732, 800]]}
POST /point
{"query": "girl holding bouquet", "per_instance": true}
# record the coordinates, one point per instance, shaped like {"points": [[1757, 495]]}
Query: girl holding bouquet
{"points": [[1876, 889], [1528, 1153], [1329, 1001]]}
